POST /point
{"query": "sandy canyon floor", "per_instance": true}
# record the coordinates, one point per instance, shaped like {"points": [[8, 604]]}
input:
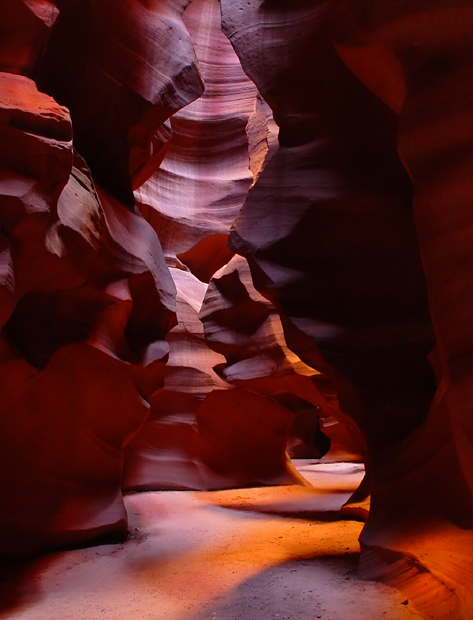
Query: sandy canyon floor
{"points": [[274, 553]]}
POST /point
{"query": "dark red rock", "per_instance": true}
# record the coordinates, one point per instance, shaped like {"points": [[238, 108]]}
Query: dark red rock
{"points": [[211, 152], [359, 263], [243, 326], [86, 302], [207, 256], [101, 64], [427, 52], [24, 34], [63, 430], [242, 439], [333, 238]]}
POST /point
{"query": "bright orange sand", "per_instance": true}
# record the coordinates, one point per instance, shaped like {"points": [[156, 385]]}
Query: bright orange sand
{"points": [[252, 554]]}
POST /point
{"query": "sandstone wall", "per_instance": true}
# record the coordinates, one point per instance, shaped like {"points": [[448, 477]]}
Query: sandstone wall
{"points": [[226, 226]]}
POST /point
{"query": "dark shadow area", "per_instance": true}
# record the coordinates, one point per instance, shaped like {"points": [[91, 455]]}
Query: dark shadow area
{"points": [[19, 585], [20, 580], [285, 591], [320, 516]]}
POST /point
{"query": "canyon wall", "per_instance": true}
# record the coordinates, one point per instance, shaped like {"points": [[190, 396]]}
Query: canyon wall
{"points": [[233, 232], [358, 254], [115, 216]]}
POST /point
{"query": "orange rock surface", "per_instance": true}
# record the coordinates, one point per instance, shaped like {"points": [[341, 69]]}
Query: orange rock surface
{"points": [[231, 232]]}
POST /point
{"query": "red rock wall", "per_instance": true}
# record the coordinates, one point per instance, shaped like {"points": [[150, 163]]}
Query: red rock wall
{"points": [[138, 351], [85, 289], [368, 279], [426, 52], [210, 425], [87, 296]]}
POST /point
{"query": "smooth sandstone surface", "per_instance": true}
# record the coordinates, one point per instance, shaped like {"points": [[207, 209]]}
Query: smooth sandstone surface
{"points": [[232, 232], [242, 554], [218, 148], [317, 245], [76, 266]]}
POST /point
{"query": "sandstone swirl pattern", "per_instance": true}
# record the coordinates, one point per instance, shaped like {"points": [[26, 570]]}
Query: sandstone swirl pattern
{"points": [[224, 226]]}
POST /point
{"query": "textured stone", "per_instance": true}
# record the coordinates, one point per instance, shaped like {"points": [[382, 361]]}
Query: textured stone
{"points": [[219, 145], [345, 312], [332, 238], [24, 33], [62, 434], [122, 68], [208, 159], [201, 432], [85, 295], [427, 52]]}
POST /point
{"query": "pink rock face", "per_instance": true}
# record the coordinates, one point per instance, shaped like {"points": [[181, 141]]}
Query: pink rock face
{"points": [[219, 146], [209, 156], [122, 69], [331, 239], [85, 292], [352, 236]]}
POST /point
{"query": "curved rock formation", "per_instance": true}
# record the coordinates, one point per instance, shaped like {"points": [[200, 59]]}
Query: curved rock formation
{"points": [[86, 302], [83, 275], [332, 202], [332, 240], [353, 236], [243, 326], [215, 424], [24, 33], [218, 147], [122, 68], [426, 51], [205, 176]]}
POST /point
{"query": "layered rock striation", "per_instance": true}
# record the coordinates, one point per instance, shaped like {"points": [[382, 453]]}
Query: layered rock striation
{"points": [[353, 257], [211, 425], [140, 350], [85, 294]]}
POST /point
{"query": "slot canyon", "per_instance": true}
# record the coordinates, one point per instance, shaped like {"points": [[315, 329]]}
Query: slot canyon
{"points": [[236, 273]]}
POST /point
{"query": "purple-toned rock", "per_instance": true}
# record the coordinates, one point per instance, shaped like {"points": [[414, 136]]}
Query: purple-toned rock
{"points": [[219, 141], [122, 68]]}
